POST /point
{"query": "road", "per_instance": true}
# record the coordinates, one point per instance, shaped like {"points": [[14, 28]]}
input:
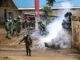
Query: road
{"points": [[39, 54], [17, 53]]}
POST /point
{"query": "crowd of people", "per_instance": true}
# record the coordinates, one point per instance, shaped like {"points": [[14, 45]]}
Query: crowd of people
{"points": [[12, 26]]}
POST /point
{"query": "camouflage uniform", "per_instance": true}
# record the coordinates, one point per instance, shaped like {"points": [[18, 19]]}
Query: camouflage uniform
{"points": [[9, 28], [14, 26], [28, 43], [17, 26], [42, 27], [29, 28]]}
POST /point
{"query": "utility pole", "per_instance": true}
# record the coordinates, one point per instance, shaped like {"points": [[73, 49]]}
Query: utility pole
{"points": [[36, 14]]}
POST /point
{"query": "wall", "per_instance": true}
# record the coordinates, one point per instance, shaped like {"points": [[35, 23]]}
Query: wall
{"points": [[76, 31], [15, 13]]}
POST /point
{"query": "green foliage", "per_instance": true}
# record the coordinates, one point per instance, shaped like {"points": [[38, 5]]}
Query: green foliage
{"points": [[47, 11], [50, 2]]}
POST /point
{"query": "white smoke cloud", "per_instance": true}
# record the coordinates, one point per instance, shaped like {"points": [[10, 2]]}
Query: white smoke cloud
{"points": [[56, 25], [57, 35]]}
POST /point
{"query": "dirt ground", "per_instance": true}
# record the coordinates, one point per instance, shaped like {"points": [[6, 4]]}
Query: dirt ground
{"points": [[13, 42], [37, 54]]}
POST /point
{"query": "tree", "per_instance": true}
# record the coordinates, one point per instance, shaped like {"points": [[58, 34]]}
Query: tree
{"points": [[47, 11], [50, 2]]}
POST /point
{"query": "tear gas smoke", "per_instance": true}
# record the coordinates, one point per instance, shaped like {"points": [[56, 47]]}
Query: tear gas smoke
{"points": [[57, 34]]}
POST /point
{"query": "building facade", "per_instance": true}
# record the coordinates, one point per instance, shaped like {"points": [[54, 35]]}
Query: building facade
{"points": [[7, 8]]}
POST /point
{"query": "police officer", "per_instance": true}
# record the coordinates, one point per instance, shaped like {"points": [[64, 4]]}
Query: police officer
{"points": [[14, 26], [67, 21], [9, 28], [18, 26], [41, 27], [28, 43]]}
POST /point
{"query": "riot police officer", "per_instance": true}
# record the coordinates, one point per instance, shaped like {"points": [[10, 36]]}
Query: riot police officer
{"points": [[42, 28], [17, 26], [28, 43], [67, 21], [9, 28]]}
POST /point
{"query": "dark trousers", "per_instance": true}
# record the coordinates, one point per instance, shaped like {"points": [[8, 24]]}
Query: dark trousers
{"points": [[28, 51]]}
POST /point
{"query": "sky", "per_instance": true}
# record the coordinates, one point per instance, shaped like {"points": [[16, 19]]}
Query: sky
{"points": [[30, 3]]}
